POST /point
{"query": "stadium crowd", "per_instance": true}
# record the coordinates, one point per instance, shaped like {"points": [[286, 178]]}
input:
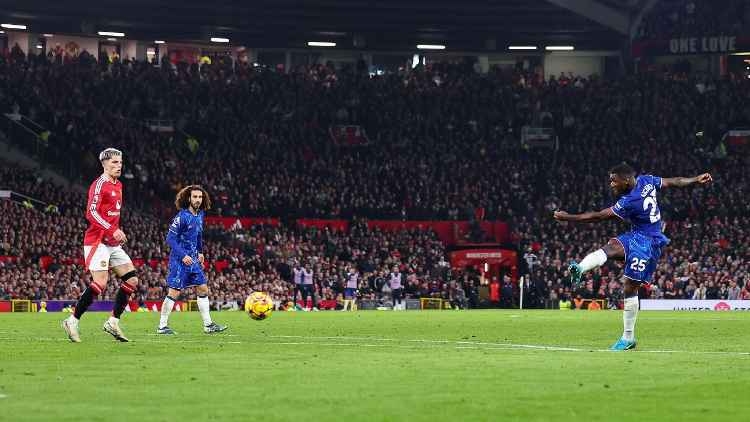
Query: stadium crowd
{"points": [[259, 257], [443, 145]]}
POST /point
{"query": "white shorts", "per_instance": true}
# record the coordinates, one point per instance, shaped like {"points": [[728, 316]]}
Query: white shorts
{"points": [[104, 256]]}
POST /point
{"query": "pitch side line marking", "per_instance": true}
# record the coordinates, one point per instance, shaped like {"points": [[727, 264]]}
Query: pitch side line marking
{"points": [[489, 345], [458, 344]]}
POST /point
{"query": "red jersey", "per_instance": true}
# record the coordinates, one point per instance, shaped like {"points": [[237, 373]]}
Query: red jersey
{"points": [[103, 212]]}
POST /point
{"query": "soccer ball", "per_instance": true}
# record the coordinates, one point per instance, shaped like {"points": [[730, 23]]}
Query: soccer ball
{"points": [[259, 306]]}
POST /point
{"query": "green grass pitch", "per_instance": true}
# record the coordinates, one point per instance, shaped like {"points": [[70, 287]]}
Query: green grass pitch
{"points": [[380, 366]]}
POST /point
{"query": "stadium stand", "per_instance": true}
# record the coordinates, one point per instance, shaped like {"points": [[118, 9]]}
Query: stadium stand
{"points": [[443, 145]]}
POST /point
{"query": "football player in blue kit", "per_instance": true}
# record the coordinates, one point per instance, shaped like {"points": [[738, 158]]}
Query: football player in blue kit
{"points": [[641, 247], [185, 238]]}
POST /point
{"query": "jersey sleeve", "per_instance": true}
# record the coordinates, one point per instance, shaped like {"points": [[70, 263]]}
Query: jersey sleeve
{"points": [[173, 236], [94, 208], [620, 208], [656, 181]]}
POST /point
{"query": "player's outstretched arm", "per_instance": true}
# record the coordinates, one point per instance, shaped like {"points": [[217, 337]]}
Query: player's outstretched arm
{"points": [[681, 182], [586, 217]]}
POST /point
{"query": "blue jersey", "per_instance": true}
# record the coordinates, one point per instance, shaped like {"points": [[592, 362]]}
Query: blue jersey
{"points": [[640, 207], [643, 244], [185, 236]]}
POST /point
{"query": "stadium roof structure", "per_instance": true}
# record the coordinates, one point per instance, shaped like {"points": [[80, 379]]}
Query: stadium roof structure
{"points": [[467, 25]]}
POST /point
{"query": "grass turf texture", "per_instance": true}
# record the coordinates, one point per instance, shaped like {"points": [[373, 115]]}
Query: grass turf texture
{"points": [[381, 366]]}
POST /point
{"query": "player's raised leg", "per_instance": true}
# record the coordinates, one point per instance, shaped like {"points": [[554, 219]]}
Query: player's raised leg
{"points": [[166, 308], [209, 326], [126, 273], [612, 250]]}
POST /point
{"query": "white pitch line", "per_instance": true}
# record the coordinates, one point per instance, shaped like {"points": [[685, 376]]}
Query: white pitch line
{"points": [[3, 396], [392, 342], [504, 346], [462, 343], [524, 346]]}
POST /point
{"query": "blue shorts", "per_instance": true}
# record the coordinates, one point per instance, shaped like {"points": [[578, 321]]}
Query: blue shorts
{"points": [[642, 253], [182, 276], [349, 292]]}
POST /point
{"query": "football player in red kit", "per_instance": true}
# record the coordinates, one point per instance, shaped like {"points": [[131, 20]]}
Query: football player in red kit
{"points": [[102, 248]]}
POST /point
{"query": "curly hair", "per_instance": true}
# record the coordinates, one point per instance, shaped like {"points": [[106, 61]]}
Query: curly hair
{"points": [[182, 200]]}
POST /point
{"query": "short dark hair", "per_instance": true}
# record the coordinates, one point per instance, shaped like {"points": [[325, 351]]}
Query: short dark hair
{"points": [[182, 200], [623, 170]]}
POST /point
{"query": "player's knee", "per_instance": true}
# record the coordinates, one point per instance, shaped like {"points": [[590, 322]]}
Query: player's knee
{"points": [[129, 281], [100, 279], [100, 284], [202, 290], [614, 249], [630, 288], [96, 288]]}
